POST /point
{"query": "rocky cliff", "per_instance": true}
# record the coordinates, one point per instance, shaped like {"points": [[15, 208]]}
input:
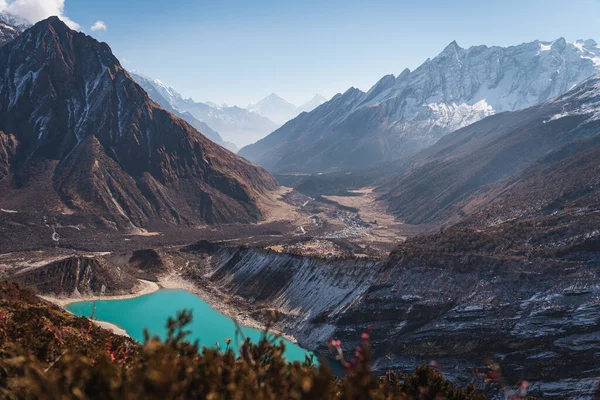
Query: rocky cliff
{"points": [[77, 275], [538, 318]]}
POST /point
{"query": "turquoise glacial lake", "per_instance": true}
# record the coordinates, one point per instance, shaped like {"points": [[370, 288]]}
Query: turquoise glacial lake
{"points": [[152, 311]]}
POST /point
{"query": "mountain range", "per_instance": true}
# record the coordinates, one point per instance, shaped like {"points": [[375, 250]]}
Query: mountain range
{"points": [[149, 86], [401, 115], [280, 111], [239, 126], [234, 124], [81, 140], [513, 166]]}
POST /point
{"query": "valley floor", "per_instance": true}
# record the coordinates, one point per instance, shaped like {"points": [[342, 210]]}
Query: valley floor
{"points": [[325, 226]]}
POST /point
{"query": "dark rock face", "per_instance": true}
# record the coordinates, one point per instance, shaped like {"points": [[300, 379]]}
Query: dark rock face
{"points": [[65, 98], [538, 318], [301, 289], [8, 150], [148, 264], [78, 275]]}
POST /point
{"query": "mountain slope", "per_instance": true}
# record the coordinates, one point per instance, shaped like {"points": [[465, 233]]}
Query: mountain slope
{"points": [[157, 96], [90, 142], [510, 162], [401, 115]]}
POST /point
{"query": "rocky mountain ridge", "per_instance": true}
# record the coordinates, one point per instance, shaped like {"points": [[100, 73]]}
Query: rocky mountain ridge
{"points": [[479, 164], [401, 115], [82, 138], [149, 86], [235, 124]]}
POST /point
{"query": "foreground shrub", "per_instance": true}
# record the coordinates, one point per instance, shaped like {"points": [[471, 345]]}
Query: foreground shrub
{"points": [[47, 353]]}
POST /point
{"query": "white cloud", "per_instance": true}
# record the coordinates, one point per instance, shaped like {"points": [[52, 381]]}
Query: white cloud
{"points": [[37, 10], [99, 26]]}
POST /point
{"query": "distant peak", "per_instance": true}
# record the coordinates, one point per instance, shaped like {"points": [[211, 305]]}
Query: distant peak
{"points": [[559, 44], [274, 96], [404, 73], [453, 46], [15, 21], [352, 90]]}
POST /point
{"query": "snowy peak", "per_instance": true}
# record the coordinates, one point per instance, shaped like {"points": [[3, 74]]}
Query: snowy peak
{"points": [[275, 108], [236, 126], [8, 33], [451, 49], [313, 103], [281, 111], [14, 21], [506, 79], [167, 92]]}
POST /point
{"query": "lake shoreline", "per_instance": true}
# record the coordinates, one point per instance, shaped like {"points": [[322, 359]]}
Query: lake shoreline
{"points": [[218, 301], [145, 287], [173, 281]]}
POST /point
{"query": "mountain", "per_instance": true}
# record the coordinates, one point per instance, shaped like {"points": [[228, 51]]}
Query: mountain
{"points": [[82, 142], [157, 96], [8, 33], [535, 162], [280, 111], [311, 104], [275, 108], [401, 115], [236, 125], [14, 21]]}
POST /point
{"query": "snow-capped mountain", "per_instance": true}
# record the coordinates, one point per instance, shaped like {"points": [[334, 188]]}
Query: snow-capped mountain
{"points": [[13, 20], [280, 111], [236, 125], [8, 33], [400, 115], [11, 27], [151, 87], [524, 153], [312, 103], [275, 108]]}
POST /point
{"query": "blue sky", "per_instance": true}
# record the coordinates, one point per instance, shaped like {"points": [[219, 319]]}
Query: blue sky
{"points": [[240, 51]]}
